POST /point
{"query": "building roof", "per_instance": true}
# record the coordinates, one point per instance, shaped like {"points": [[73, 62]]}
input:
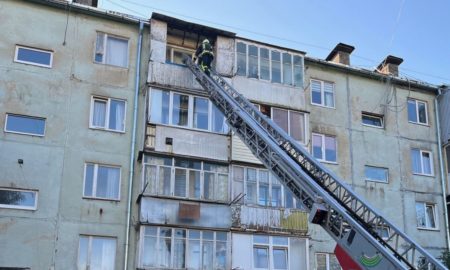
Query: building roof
{"points": [[194, 27]]}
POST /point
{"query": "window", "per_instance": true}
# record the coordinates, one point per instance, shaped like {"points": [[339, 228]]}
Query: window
{"points": [[327, 261], [422, 162], [111, 50], [426, 215], [96, 253], [293, 122], [174, 248], [324, 147], [176, 55], [18, 199], [372, 120], [260, 187], [270, 252], [270, 65], [101, 182], [322, 93], [376, 174], [37, 57], [417, 112], [108, 114], [23, 124], [186, 178], [183, 110]]}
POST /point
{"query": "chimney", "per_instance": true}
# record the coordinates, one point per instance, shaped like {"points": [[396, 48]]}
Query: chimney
{"points": [[90, 3], [389, 66], [341, 54]]}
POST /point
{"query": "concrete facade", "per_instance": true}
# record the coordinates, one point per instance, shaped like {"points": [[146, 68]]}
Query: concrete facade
{"points": [[200, 199], [54, 164]]}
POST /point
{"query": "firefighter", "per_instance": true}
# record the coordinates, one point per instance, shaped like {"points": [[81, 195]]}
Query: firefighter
{"points": [[204, 56]]}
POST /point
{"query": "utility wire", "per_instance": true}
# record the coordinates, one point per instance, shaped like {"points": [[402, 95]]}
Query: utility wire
{"points": [[273, 36]]}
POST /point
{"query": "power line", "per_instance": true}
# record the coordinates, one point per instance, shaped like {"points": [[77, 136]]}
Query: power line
{"points": [[268, 35]]}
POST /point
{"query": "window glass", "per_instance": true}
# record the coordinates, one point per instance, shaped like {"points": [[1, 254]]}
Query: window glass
{"points": [[263, 188], [261, 257], [264, 63], [218, 121], [261, 239], [201, 113], [372, 120], [96, 253], [102, 182], [317, 146], [180, 182], [376, 174], [330, 148], [334, 263], [412, 113], [188, 163], [329, 94], [238, 181], [276, 192], [208, 185], [159, 110], [289, 198], [99, 113], [298, 70], [276, 67], [252, 61], [421, 162], [116, 52], [279, 240], [251, 196], [241, 59], [416, 162], [194, 184], [208, 254], [316, 92], [164, 180], [430, 216], [422, 112], [321, 262], [280, 117], [280, 258], [21, 199], [221, 255], [297, 126], [25, 124], [426, 161], [287, 68], [180, 110], [34, 56], [117, 115]]}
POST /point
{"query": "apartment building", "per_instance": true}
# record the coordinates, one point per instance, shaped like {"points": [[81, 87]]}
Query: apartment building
{"points": [[67, 89], [200, 199]]}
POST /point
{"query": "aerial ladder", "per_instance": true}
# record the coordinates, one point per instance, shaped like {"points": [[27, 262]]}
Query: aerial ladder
{"points": [[348, 219]]}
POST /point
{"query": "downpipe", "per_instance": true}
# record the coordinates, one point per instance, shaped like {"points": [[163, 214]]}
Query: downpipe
{"points": [[441, 165], [133, 143]]}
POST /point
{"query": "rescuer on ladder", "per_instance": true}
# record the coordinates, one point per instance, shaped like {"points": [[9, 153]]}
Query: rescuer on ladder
{"points": [[204, 55]]}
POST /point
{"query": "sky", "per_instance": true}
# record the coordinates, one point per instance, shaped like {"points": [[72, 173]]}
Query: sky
{"points": [[415, 30]]}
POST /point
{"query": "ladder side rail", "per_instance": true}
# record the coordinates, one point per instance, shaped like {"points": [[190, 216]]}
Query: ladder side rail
{"points": [[355, 204], [338, 213]]}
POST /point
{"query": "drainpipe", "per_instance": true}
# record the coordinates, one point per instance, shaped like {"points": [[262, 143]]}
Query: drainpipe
{"points": [[441, 165], [133, 143]]}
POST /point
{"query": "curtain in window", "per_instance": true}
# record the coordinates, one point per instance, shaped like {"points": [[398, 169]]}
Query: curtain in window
{"points": [[179, 255], [108, 254], [251, 194], [83, 252], [415, 161], [159, 110], [89, 180], [194, 184], [208, 185], [316, 90], [193, 259], [420, 214], [280, 258], [108, 182], [426, 160], [221, 256], [150, 179], [149, 255], [329, 94], [430, 216], [117, 52], [99, 115], [238, 181], [412, 112], [180, 182], [297, 126], [218, 121], [164, 180], [208, 255], [222, 187], [287, 68], [317, 146], [280, 117], [117, 115], [261, 257], [99, 47]]}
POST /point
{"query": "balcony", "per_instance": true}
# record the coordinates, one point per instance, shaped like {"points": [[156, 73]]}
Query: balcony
{"points": [[254, 218]]}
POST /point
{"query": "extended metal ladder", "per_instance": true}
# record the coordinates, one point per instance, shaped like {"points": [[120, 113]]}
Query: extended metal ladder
{"points": [[352, 223]]}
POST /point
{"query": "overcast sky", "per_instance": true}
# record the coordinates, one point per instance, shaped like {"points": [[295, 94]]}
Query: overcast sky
{"points": [[417, 31]]}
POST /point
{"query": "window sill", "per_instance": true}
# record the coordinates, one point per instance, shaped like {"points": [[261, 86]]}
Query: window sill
{"points": [[328, 162], [33, 64], [24, 133], [323, 106], [101, 199], [426, 175], [428, 229], [108, 130], [109, 65], [377, 181], [366, 125], [18, 208], [419, 124]]}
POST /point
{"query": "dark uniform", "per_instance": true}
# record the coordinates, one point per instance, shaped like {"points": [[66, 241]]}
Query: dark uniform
{"points": [[205, 56]]}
